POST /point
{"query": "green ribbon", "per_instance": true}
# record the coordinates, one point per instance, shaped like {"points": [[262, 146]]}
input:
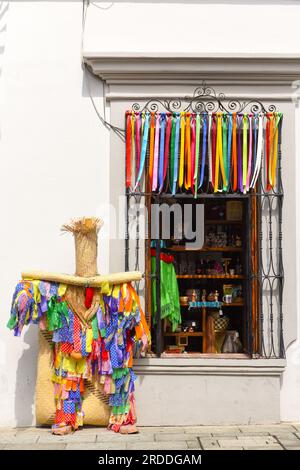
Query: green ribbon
{"points": [[120, 410], [12, 322], [224, 140], [95, 327], [118, 373], [54, 314]]}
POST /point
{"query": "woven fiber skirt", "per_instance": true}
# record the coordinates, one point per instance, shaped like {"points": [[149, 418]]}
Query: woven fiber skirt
{"points": [[95, 404]]}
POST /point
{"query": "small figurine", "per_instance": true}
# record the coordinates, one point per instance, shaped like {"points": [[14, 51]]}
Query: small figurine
{"points": [[238, 241], [218, 268], [213, 296], [210, 239]]}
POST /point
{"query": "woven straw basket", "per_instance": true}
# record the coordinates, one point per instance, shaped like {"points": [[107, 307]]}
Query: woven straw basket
{"points": [[95, 403]]}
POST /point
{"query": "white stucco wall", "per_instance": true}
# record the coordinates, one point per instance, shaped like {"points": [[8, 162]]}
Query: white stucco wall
{"points": [[54, 152]]}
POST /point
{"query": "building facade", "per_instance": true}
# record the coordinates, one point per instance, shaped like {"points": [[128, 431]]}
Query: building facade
{"points": [[52, 143]]}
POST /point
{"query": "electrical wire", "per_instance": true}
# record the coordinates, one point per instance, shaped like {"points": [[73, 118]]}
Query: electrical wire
{"points": [[117, 130], [102, 8], [110, 127]]}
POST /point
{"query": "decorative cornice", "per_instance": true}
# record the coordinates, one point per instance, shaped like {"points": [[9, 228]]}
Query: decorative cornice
{"points": [[194, 68]]}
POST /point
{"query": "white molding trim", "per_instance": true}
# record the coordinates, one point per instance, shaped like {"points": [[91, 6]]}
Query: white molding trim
{"points": [[142, 96], [193, 68]]}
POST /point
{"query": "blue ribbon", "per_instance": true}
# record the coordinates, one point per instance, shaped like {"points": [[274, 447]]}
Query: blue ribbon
{"points": [[204, 139], [162, 151], [255, 131]]}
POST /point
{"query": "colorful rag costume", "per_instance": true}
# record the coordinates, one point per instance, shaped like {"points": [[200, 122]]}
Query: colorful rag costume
{"points": [[98, 346], [169, 293]]}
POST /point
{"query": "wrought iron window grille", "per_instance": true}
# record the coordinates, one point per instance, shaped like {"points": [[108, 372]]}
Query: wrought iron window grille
{"points": [[267, 205]]}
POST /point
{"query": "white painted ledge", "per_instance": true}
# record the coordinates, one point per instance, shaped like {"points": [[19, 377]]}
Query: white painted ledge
{"points": [[199, 366]]}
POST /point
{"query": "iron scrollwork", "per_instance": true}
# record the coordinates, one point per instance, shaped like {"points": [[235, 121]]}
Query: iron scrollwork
{"points": [[205, 99]]}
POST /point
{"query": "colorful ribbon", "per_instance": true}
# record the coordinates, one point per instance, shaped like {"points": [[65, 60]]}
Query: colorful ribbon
{"points": [[182, 147], [162, 151], [155, 158], [222, 149], [143, 150], [204, 145], [197, 150], [176, 153]]}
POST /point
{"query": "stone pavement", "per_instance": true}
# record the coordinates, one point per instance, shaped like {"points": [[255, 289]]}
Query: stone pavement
{"points": [[260, 437]]}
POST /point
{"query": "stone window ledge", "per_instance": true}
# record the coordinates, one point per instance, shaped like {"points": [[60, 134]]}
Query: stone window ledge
{"points": [[199, 366]]}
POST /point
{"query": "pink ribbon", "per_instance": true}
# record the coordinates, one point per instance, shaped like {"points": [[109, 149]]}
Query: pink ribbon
{"points": [[138, 141], [193, 149], [167, 145], [156, 146], [249, 153]]}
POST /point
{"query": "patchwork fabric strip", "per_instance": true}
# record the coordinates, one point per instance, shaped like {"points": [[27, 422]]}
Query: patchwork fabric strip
{"points": [[101, 349]]}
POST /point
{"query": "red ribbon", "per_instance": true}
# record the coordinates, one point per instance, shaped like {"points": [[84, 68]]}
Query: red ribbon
{"points": [[128, 150]]}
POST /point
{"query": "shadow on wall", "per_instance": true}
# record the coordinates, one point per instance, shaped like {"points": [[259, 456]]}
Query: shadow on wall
{"points": [[4, 7], [26, 378], [92, 86]]}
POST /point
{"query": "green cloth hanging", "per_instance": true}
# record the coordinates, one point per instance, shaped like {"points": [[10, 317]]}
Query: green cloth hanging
{"points": [[169, 294], [54, 314]]}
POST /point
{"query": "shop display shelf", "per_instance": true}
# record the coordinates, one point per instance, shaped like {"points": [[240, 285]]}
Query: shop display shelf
{"points": [[183, 333], [207, 249], [209, 276], [223, 222], [213, 305]]}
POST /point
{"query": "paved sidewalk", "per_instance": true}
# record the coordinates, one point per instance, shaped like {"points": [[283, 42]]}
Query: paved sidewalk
{"points": [[272, 437]]}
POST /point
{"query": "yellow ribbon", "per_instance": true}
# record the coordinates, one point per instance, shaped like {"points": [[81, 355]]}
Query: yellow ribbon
{"points": [[274, 155], [188, 181], [181, 159]]}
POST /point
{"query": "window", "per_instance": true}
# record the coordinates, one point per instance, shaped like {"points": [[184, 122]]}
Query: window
{"points": [[229, 289]]}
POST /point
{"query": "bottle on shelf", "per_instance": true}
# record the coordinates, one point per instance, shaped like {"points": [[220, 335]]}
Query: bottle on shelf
{"points": [[238, 267], [199, 269]]}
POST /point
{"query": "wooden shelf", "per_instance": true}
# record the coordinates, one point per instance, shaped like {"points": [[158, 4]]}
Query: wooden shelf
{"points": [[234, 304], [196, 333], [208, 276], [223, 222], [207, 249]]}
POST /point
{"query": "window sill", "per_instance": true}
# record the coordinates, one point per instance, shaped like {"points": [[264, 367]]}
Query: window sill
{"points": [[209, 366]]}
